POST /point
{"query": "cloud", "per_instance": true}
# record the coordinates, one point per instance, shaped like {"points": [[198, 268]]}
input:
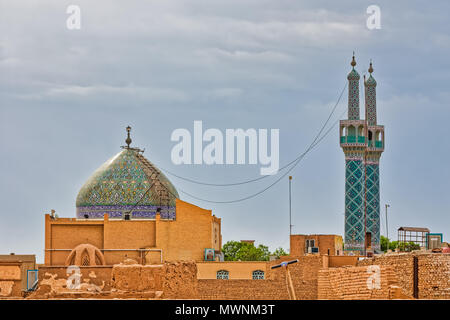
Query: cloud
{"points": [[142, 93]]}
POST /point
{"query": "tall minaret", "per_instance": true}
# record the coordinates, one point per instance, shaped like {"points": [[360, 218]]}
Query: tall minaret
{"points": [[374, 148], [362, 142], [353, 145]]}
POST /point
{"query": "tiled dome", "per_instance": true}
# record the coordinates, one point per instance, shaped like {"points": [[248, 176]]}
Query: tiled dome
{"points": [[127, 182]]}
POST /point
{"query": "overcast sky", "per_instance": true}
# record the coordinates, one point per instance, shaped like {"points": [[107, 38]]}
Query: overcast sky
{"points": [[66, 97]]}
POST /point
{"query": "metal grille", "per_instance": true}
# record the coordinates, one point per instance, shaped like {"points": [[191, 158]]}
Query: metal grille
{"points": [[32, 279]]}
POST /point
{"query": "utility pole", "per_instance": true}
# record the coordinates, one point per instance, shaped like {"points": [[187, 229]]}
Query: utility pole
{"points": [[290, 208], [289, 284], [387, 229]]}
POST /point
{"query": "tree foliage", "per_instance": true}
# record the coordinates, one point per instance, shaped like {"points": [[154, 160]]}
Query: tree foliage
{"points": [[408, 246], [402, 246], [393, 245], [242, 251], [279, 252], [384, 242]]}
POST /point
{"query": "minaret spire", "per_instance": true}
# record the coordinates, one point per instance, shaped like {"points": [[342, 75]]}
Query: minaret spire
{"points": [[353, 91], [371, 98]]}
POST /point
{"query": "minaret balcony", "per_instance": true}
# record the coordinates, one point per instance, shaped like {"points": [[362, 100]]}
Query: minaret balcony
{"points": [[375, 145], [353, 140]]}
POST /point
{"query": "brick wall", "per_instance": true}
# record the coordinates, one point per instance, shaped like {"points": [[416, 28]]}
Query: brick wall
{"points": [[434, 276], [242, 290], [185, 238], [357, 283], [10, 280], [403, 265], [433, 272], [238, 270], [304, 276], [174, 280], [325, 243]]}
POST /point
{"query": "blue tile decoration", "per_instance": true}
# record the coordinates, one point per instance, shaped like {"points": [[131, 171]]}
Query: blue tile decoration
{"points": [[127, 182], [362, 172]]}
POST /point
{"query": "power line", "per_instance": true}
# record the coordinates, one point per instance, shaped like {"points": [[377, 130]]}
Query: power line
{"points": [[262, 177], [274, 183]]}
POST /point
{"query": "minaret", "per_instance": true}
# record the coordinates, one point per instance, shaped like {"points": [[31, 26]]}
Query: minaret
{"points": [[374, 149], [353, 92], [362, 142], [353, 144]]}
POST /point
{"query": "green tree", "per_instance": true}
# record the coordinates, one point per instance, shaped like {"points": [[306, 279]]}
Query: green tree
{"points": [[230, 250], [408, 246], [279, 252], [384, 242], [393, 245], [235, 251]]}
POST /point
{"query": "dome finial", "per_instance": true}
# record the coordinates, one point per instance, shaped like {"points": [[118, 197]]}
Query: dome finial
{"points": [[128, 140], [370, 67], [353, 63]]}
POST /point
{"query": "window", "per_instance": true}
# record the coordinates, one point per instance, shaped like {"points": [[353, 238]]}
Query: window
{"points": [[310, 243], [223, 274], [258, 275]]}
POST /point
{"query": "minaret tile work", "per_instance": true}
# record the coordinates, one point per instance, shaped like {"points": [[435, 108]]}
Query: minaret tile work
{"points": [[362, 142], [374, 149], [353, 92], [371, 98]]}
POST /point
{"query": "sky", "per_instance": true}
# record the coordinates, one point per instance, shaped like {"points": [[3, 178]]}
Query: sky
{"points": [[66, 97]]}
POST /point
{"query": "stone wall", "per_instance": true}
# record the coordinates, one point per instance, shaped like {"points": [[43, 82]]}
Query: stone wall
{"points": [[403, 265], [433, 272], [434, 276], [358, 283]]}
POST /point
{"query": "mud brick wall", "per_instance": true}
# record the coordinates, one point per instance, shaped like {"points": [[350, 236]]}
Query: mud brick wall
{"points": [[242, 290], [434, 276], [137, 277], [10, 288], [177, 280], [403, 265], [351, 283], [53, 280], [304, 276], [11, 280], [180, 280]]}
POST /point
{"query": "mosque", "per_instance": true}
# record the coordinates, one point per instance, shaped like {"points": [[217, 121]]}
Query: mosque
{"points": [[129, 209], [363, 143]]}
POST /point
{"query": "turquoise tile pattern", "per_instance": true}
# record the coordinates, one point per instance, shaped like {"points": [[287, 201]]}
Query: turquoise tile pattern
{"points": [[127, 182]]}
